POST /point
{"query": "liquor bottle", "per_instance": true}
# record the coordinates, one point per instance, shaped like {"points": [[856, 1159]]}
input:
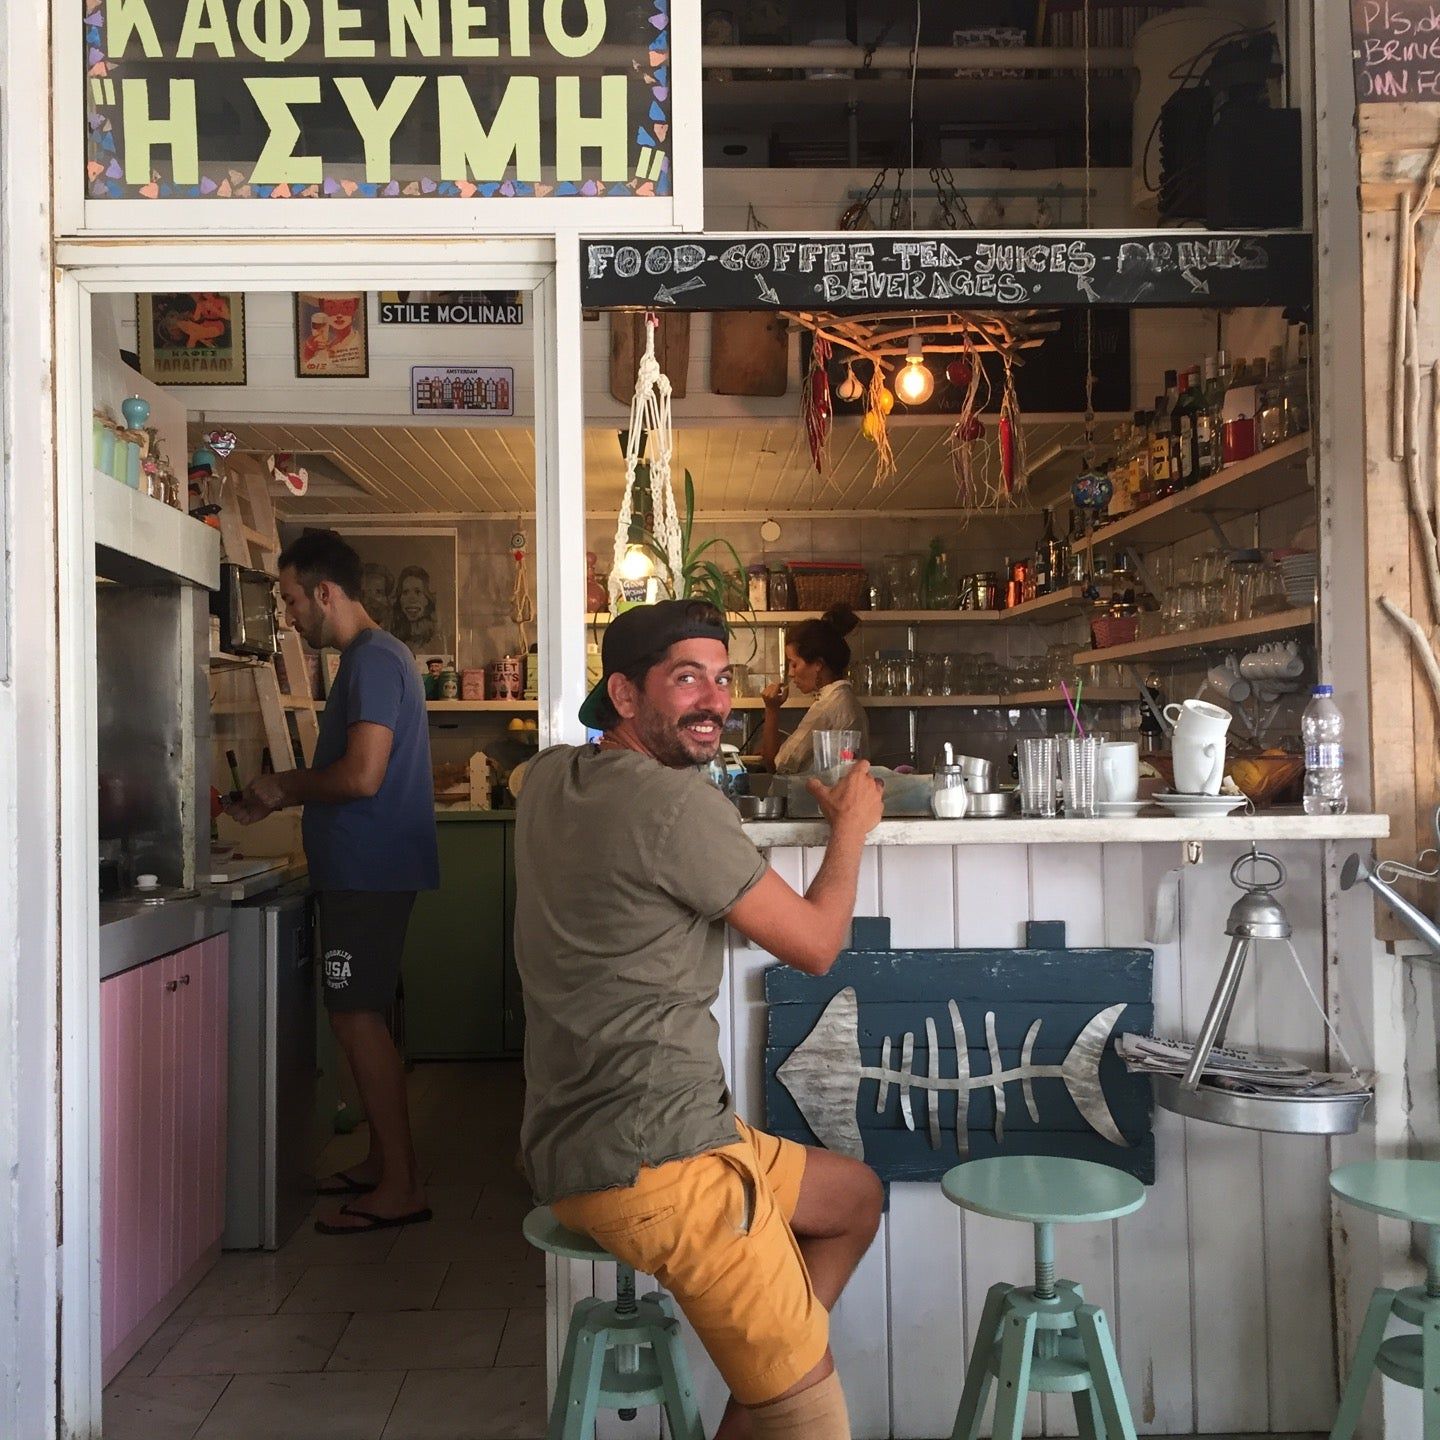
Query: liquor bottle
{"points": [[1058, 554], [1182, 435], [1041, 569], [1141, 485], [1207, 425], [1297, 385], [1160, 445], [1122, 497]]}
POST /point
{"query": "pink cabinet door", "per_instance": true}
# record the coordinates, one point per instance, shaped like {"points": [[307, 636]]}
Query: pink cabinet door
{"points": [[164, 1064]]}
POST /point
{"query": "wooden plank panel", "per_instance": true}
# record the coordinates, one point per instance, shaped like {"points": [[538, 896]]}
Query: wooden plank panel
{"points": [[1067, 883], [1152, 1247], [1224, 1180], [992, 904], [860, 1323], [927, 1290], [1303, 1389]]}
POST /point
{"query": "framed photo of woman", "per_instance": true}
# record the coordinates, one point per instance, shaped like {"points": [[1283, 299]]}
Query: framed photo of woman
{"points": [[409, 586]]}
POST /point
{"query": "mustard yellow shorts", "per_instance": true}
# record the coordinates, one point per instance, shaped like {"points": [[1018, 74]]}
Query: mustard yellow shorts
{"points": [[714, 1230]]}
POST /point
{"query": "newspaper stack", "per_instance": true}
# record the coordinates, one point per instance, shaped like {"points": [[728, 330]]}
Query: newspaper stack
{"points": [[1237, 1070]]}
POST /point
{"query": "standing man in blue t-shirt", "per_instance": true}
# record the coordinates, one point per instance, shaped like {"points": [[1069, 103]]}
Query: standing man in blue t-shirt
{"points": [[369, 829]]}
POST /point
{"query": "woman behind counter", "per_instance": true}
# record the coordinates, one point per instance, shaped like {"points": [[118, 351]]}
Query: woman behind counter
{"points": [[817, 658]]}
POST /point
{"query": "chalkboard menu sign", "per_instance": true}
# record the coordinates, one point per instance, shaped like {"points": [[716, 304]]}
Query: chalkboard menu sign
{"points": [[1397, 50], [979, 270]]}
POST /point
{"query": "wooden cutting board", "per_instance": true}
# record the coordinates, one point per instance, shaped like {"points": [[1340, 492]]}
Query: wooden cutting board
{"points": [[627, 345], [749, 353]]}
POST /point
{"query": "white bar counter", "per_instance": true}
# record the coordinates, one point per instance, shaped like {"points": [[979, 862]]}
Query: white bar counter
{"points": [[1270, 826]]}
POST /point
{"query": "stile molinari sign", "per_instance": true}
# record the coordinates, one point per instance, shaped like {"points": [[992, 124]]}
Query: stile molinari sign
{"points": [[309, 99]]}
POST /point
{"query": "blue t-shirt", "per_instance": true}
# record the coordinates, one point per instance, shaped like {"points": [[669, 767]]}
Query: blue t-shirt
{"points": [[387, 840]]}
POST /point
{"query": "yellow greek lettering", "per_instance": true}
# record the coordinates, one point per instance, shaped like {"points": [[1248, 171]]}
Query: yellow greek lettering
{"points": [[336, 18], [124, 18], [609, 132], [417, 21], [468, 150], [206, 23], [143, 132], [569, 45], [520, 27], [377, 124], [278, 163], [467, 16], [276, 43]]}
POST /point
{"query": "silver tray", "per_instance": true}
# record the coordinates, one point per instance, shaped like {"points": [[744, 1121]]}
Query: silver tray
{"points": [[1283, 1114]]}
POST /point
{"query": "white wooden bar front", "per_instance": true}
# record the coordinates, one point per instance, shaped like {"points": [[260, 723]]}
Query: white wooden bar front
{"points": [[1219, 1289]]}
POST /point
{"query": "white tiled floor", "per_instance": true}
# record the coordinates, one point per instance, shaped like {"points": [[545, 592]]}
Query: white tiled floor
{"points": [[434, 1332]]}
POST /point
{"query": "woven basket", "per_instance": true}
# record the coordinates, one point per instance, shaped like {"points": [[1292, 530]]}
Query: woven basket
{"points": [[1108, 630], [819, 586]]}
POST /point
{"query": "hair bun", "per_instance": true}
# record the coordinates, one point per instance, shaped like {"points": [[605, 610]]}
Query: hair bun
{"points": [[841, 618]]}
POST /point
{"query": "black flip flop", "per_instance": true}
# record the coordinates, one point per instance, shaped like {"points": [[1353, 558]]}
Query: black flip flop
{"points": [[343, 1183], [373, 1222]]}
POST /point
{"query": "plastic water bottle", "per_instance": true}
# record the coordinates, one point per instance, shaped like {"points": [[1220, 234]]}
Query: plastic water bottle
{"points": [[1322, 727]]}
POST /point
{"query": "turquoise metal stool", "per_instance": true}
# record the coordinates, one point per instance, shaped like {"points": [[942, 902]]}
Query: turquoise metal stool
{"points": [[1407, 1190], [1043, 1337], [620, 1354]]}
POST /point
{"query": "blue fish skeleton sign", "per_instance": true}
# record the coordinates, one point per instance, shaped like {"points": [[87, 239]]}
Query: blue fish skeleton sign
{"points": [[1077, 1097]]}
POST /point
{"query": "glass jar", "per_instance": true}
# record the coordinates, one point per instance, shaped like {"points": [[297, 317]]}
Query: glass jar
{"points": [[949, 798], [781, 589], [940, 587], [758, 582]]}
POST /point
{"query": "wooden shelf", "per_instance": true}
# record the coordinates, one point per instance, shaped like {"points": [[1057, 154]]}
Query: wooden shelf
{"points": [[1277, 474], [1054, 607], [220, 661], [1037, 698], [1262, 627]]}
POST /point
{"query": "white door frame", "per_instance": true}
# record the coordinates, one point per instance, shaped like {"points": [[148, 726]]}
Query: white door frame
{"points": [[90, 268]]}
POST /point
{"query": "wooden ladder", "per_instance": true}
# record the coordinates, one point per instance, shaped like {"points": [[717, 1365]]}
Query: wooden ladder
{"points": [[249, 536]]}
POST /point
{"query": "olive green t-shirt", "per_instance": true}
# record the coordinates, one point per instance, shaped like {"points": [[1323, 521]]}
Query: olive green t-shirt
{"points": [[623, 869]]}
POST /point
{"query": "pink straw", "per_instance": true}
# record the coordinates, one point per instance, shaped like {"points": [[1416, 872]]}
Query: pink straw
{"points": [[1074, 713]]}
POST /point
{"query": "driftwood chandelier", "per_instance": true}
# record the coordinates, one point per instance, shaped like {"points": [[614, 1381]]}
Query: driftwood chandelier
{"points": [[891, 348]]}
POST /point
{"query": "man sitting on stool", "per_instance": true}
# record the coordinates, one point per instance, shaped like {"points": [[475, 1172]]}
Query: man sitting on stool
{"points": [[627, 860]]}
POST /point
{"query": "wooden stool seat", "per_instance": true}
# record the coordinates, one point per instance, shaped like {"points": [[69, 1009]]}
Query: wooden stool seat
{"points": [[620, 1354], [1404, 1190], [1043, 1337]]}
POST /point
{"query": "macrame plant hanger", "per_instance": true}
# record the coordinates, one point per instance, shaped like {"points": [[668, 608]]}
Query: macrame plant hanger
{"points": [[649, 421]]}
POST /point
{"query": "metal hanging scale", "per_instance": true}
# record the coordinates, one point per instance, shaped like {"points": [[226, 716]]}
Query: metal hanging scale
{"points": [[1256, 915]]}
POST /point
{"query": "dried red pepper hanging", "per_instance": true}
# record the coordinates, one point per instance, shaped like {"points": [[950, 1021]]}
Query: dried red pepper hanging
{"points": [[816, 407]]}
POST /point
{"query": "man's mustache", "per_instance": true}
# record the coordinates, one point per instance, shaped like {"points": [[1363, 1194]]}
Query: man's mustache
{"points": [[697, 717]]}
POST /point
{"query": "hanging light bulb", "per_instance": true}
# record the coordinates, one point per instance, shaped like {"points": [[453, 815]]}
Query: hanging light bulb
{"points": [[914, 384], [637, 563]]}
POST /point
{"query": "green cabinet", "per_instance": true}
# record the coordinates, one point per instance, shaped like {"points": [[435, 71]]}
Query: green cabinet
{"points": [[461, 994]]}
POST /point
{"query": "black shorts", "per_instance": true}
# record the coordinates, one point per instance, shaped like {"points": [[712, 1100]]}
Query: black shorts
{"points": [[362, 941]]}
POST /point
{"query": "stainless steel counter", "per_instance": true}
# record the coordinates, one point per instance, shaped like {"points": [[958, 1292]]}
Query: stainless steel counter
{"points": [[132, 934]]}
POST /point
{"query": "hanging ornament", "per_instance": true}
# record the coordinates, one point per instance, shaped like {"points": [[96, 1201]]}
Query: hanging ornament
{"points": [[295, 478], [960, 373], [1013, 469], [878, 405], [849, 389], [522, 603], [222, 442], [968, 430], [649, 421], [816, 409]]}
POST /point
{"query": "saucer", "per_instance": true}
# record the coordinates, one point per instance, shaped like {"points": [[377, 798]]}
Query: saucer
{"points": [[1120, 809], [1192, 805]]}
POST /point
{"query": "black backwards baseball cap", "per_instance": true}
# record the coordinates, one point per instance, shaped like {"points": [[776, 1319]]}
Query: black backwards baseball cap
{"points": [[648, 630]]}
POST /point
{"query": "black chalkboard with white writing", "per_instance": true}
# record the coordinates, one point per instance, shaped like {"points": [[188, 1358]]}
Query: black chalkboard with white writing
{"points": [[1396, 45], [974, 269]]}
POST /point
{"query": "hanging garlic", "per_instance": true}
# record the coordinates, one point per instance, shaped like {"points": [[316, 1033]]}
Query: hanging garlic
{"points": [[850, 387]]}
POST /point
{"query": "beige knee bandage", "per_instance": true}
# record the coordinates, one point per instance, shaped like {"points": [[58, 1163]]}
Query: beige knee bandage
{"points": [[815, 1414]]}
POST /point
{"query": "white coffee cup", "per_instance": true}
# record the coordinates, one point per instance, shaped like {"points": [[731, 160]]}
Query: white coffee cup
{"points": [[1199, 764], [1120, 770], [1199, 718]]}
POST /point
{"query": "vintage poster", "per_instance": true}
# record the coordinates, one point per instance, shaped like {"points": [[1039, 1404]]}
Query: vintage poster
{"points": [[408, 587], [331, 336], [191, 339], [465, 389]]}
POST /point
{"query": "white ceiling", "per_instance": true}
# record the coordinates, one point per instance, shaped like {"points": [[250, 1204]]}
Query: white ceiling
{"points": [[741, 468]]}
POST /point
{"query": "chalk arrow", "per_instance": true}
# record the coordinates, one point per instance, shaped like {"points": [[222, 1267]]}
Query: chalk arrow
{"points": [[1089, 289], [767, 292], [666, 294], [1199, 286]]}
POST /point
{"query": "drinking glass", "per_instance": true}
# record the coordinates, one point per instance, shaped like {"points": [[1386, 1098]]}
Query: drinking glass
{"points": [[933, 674], [1037, 776], [909, 676], [1079, 774], [836, 752], [1268, 596]]}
